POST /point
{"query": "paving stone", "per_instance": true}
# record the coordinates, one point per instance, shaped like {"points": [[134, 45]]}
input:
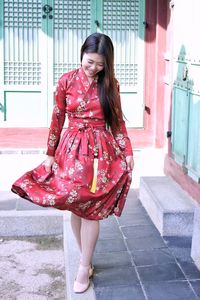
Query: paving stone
{"points": [[23, 204], [118, 276], [190, 270], [178, 241], [109, 222], [147, 243], [110, 245], [173, 290], [133, 204], [8, 200], [163, 272], [8, 204], [135, 219], [182, 254], [110, 232], [180, 247], [196, 286], [152, 257], [132, 197], [106, 260], [140, 231], [120, 293], [138, 209]]}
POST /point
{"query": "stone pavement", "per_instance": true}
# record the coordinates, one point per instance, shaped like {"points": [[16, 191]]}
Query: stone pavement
{"points": [[132, 261], [32, 268]]}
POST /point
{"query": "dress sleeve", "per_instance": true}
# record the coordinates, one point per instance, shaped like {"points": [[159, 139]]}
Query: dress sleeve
{"points": [[58, 117], [122, 139], [121, 135]]}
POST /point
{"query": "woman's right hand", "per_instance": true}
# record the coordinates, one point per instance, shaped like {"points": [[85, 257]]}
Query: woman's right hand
{"points": [[48, 163]]}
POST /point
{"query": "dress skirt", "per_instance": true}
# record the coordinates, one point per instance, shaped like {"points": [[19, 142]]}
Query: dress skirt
{"points": [[89, 176]]}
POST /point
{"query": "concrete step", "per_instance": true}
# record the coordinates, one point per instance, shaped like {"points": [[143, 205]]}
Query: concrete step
{"points": [[30, 223], [195, 251], [19, 217], [72, 261], [170, 208]]}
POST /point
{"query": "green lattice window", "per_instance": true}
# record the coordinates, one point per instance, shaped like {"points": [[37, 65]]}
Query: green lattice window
{"points": [[22, 20]]}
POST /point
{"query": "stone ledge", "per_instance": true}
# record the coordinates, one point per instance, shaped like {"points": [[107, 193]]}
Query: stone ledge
{"points": [[30, 223], [71, 254], [195, 251], [23, 151], [170, 208]]}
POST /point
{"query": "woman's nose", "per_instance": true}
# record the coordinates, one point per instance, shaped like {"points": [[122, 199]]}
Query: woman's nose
{"points": [[93, 67]]}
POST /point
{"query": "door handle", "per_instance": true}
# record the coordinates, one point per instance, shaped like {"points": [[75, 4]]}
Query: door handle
{"points": [[47, 9], [97, 23], [1, 107], [185, 73]]}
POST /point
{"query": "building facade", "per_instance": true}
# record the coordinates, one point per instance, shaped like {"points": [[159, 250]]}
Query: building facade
{"points": [[156, 60]]}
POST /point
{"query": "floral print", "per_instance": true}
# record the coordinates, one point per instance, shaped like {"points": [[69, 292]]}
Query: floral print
{"points": [[67, 186]]}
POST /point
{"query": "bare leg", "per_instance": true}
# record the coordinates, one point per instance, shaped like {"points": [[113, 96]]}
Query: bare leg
{"points": [[76, 228], [89, 236]]}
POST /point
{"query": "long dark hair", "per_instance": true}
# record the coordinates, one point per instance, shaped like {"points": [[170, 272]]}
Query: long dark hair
{"points": [[107, 84]]}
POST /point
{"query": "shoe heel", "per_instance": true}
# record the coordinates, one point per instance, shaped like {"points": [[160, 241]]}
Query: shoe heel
{"points": [[80, 287]]}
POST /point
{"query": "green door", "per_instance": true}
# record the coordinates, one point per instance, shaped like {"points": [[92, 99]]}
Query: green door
{"points": [[186, 88], [186, 116], [40, 40], [23, 40]]}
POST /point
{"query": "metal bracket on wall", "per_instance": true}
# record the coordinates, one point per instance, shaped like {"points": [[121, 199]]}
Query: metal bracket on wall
{"points": [[171, 4], [147, 109], [169, 134], [146, 25]]}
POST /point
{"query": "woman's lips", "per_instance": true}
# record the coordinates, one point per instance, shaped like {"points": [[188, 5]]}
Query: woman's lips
{"points": [[91, 73]]}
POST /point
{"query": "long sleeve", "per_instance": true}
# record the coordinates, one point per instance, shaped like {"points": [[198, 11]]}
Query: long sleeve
{"points": [[121, 135], [58, 117], [122, 139]]}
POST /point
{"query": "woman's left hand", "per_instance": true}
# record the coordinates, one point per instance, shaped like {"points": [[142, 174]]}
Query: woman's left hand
{"points": [[130, 163]]}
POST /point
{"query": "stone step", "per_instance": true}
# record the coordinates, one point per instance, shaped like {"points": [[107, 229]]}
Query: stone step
{"points": [[195, 251], [19, 217], [30, 223], [168, 205]]}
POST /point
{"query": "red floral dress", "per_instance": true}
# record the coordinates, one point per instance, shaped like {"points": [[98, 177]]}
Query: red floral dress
{"points": [[89, 176]]}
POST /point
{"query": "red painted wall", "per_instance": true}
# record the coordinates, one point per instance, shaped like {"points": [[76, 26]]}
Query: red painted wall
{"points": [[145, 137], [155, 118]]}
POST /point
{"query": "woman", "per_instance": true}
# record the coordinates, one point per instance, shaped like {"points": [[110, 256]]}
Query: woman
{"points": [[88, 170]]}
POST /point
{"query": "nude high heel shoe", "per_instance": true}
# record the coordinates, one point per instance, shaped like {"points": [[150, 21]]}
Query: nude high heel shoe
{"points": [[80, 287], [91, 271]]}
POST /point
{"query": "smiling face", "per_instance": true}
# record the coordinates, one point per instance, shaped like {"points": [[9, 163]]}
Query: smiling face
{"points": [[92, 63]]}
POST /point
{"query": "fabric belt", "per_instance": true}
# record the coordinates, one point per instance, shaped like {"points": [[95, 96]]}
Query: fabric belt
{"points": [[82, 124]]}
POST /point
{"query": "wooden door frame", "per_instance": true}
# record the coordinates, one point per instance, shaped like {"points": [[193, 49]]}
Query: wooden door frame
{"points": [[155, 88]]}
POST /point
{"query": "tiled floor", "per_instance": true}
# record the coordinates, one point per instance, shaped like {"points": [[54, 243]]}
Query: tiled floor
{"points": [[133, 262]]}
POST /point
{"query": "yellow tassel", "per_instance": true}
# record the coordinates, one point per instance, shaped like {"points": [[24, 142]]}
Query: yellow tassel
{"points": [[94, 180]]}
